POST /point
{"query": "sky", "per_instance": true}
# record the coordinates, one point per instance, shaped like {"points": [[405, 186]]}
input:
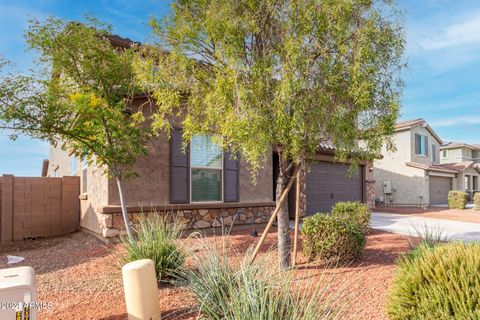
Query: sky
{"points": [[442, 82]]}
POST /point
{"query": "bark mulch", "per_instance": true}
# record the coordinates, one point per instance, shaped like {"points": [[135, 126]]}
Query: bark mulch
{"points": [[465, 215], [81, 275]]}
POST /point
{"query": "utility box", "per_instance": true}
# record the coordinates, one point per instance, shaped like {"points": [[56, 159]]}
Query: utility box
{"points": [[18, 293], [387, 187]]}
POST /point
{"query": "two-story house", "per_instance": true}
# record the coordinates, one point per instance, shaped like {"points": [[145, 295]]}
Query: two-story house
{"points": [[466, 159], [413, 174], [202, 184]]}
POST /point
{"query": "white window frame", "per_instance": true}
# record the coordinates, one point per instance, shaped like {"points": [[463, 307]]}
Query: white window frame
{"points": [[84, 175], [222, 172]]}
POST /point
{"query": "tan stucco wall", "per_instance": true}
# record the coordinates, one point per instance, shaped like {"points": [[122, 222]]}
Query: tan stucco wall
{"points": [[58, 158], [95, 197], [151, 186], [408, 183]]}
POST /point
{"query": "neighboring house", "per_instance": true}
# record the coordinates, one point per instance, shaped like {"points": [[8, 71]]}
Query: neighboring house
{"points": [[465, 158], [413, 175], [204, 186]]}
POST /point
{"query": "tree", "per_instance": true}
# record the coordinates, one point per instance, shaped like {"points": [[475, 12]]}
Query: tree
{"points": [[80, 97], [286, 75]]}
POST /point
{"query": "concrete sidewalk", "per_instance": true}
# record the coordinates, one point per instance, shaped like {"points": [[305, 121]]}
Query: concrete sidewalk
{"points": [[413, 225]]}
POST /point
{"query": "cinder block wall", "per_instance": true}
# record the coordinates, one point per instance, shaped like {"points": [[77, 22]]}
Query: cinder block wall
{"points": [[34, 207]]}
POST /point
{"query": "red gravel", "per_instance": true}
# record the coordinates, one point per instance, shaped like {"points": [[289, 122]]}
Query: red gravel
{"points": [[81, 275], [466, 215]]}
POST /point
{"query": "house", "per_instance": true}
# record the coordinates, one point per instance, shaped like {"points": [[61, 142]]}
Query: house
{"points": [[204, 185], [413, 174], [465, 158]]}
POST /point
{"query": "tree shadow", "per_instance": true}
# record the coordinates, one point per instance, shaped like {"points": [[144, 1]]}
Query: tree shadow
{"points": [[52, 254]]}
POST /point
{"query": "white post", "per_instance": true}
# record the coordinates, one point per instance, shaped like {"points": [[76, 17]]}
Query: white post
{"points": [[141, 291]]}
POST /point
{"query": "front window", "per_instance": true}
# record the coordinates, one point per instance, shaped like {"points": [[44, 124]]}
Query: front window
{"points": [[444, 153], [206, 170], [434, 153]]}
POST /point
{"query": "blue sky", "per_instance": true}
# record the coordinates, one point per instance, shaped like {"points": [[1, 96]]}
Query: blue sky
{"points": [[443, 53]]}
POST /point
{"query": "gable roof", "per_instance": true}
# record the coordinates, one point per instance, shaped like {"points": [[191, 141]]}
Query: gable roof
{"points": [[445, 167], [457, 144], [410, 124]]}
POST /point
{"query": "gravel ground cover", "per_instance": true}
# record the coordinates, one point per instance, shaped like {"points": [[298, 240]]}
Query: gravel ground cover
{"points": [[81, 275]]}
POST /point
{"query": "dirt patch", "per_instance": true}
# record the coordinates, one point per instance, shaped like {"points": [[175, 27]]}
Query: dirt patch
{"points": [[81, 275], [466, 215]]}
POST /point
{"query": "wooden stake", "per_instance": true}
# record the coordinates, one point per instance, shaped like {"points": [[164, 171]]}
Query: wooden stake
{"points": [[274, 215], [297, 218]]}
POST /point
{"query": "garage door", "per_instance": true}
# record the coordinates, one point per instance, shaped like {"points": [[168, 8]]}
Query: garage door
{"points": [[328, 183], [439, 187]]}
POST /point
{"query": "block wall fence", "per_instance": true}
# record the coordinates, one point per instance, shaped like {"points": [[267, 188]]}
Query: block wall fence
{"points": [[35, 207]]}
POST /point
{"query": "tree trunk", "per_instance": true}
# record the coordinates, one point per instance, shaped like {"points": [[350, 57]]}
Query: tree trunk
{"points": [[124, 210], [283, 221]]}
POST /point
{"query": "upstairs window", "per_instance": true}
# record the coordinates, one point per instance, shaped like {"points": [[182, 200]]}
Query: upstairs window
{"points": [[444, 153], [73, 165], [434, 153], [206, 170], [421, 145], [84, 175]]}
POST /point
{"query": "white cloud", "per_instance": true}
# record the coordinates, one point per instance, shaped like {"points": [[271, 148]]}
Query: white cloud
{"points": [[456, 121], [465, 32]]}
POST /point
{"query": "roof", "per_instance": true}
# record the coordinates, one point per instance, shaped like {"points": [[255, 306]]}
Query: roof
{"points": [[431, 167], [118, 41], [457, 144], [410, 124], [445, 167]]}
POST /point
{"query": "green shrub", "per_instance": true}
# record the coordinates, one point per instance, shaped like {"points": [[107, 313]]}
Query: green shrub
{"points": [[457, 199], [476, 200], [156, 239], [231, 291], [439, 282], [354, 211], [338, 236]]}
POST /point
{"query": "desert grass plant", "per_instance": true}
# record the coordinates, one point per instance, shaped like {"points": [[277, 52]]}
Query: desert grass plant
{"points": [[440, 282], [228, 287], [156, 238]]}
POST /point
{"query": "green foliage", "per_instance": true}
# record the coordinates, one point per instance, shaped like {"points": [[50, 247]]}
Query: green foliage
{"points": [[80, 97], [228, 290], [354, 211], [156, 239], [457, 199], [439, 282], [288, 74], [336, 236], [476, 200]]}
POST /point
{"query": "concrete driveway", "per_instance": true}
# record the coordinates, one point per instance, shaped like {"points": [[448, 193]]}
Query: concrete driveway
{"points": [[412, 225]]}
